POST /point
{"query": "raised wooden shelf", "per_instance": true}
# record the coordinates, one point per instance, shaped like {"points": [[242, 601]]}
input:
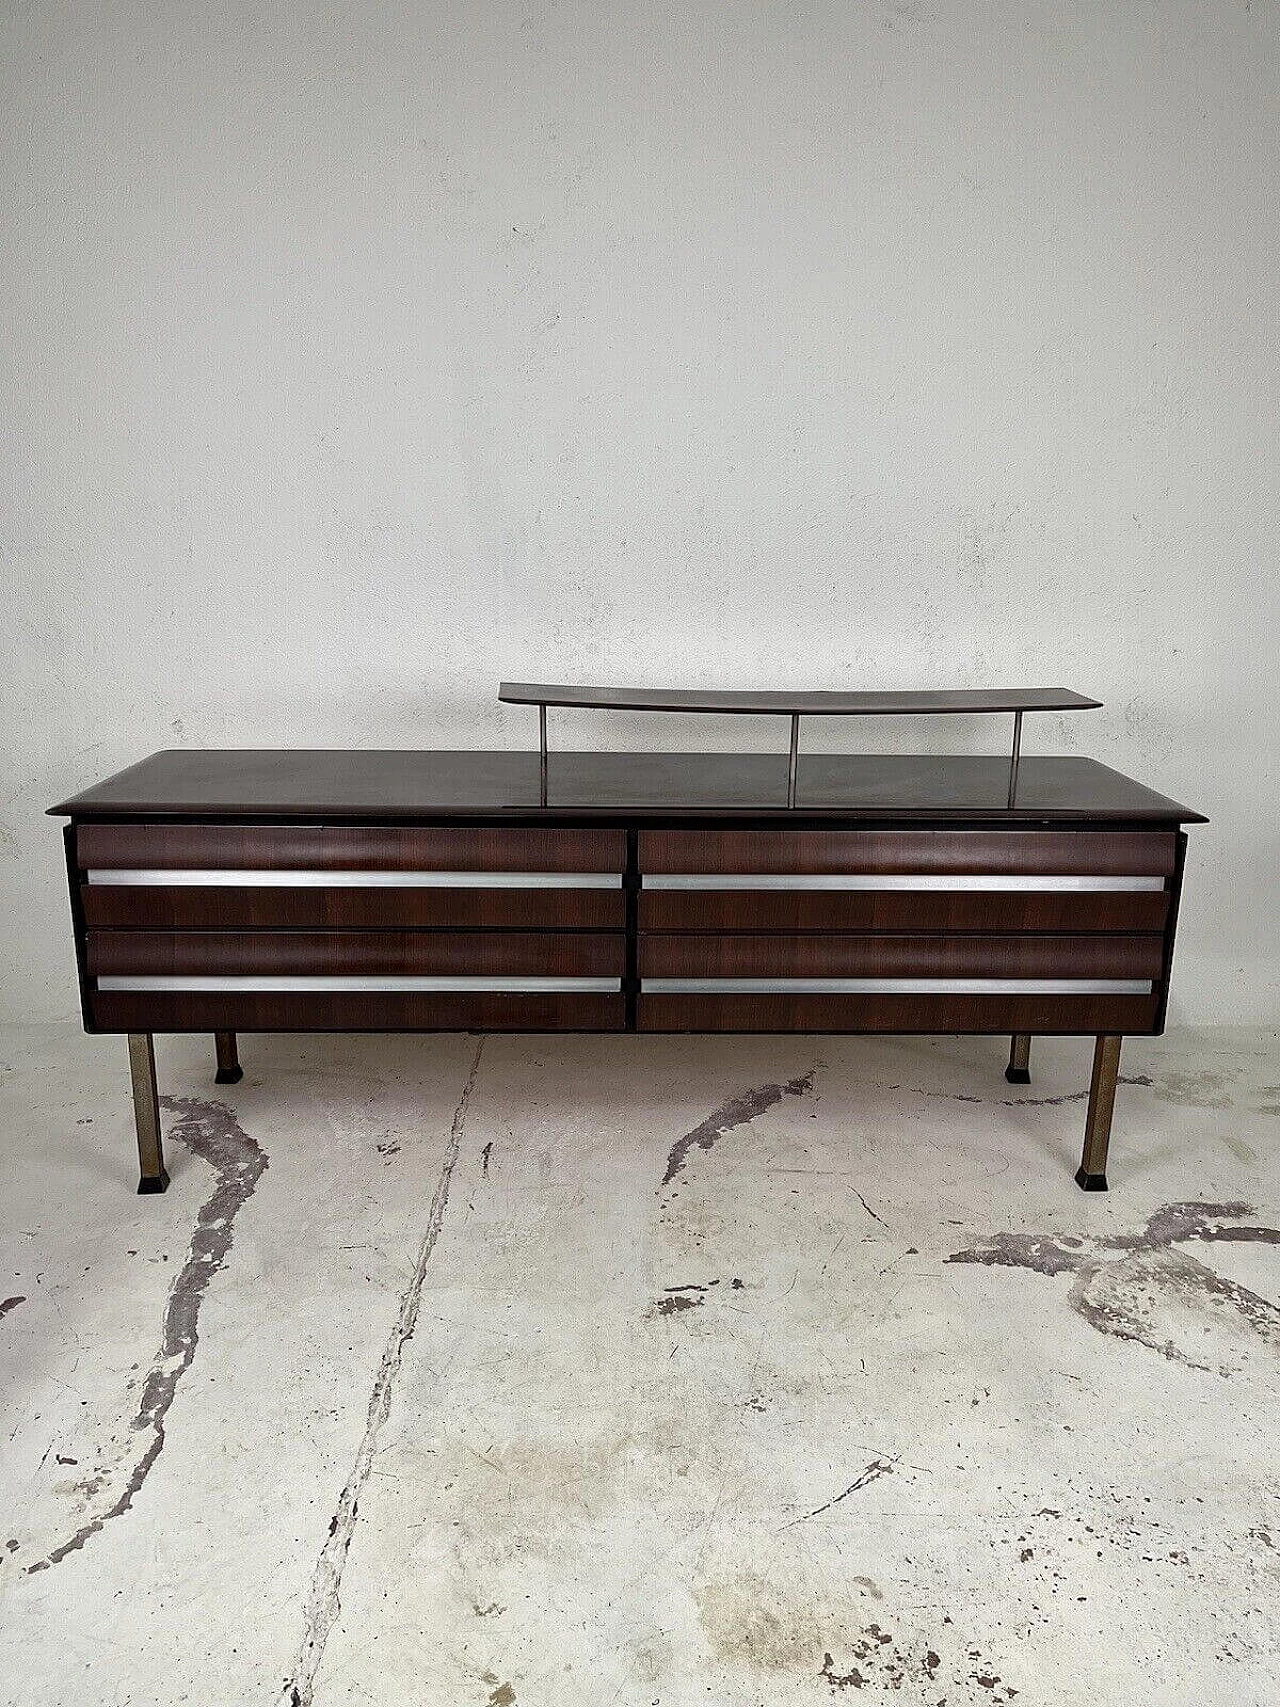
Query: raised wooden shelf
{"points": [[784, 702]]}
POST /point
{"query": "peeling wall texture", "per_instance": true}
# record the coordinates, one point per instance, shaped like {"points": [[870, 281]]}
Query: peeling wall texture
{"points": [[355, 357]]}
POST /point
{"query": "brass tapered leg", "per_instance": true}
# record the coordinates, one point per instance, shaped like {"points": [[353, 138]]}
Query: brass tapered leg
{"points": [[146, 1113], [229, 1069], [1092, 1172], [1018, 1072]]}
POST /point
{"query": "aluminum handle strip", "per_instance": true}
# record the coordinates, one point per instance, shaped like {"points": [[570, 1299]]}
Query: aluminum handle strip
{"points": [[911, 881], [260, 879], [305, 984], [899, 986]]}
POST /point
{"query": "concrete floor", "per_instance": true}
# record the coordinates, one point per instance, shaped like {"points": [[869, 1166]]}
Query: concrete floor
{"points": [[640, 1370]]}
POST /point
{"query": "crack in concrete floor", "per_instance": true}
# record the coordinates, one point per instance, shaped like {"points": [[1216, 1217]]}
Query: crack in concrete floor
{"points": [[324, 1597], [211, 1130]]}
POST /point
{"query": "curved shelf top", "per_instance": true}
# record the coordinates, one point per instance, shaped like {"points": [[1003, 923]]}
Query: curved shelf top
{"points": [[774, 701]]}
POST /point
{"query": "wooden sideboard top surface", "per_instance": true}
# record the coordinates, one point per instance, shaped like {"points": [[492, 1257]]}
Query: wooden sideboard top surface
{"points": [[358, 784]]}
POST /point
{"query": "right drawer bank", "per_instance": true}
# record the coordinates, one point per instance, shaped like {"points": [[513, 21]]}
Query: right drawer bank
{"points": [[1030, 930]]}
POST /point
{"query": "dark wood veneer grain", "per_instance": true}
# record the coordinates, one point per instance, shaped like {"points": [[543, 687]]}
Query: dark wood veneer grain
{"points": [[357, 1011], [182, 907], [340, 847], [1041, 1016], [1101, 853], [900, 910], [764, 955], [474, 953]]}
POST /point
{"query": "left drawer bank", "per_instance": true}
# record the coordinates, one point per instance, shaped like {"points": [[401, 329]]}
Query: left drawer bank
{"points": [[259, 927]]}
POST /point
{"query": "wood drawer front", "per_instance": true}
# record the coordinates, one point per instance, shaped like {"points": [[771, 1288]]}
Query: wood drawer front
{"points": [[285, 847], [352, 1011], [798, 910], [483, 954], [226, 908], [760, 955], [1139, 853], [1038, 1015]]}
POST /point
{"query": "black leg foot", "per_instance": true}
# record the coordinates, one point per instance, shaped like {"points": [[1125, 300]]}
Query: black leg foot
{"points": [[1018, 1072], [229, 1069], [146, 1113], [1092, 1172]]}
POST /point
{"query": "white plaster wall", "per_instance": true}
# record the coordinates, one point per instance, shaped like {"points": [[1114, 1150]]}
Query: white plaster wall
{"points": [[356, 356]]}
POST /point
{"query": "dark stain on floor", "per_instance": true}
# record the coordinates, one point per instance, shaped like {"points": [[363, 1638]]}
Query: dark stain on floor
{"points": [[688, 1296], [872, 1473], [737, 1111], [1142, 1287], [1058, 1547], [878, 1663], [679, 1301], [1142, 1079], [10, 1304], [211, 1130]]}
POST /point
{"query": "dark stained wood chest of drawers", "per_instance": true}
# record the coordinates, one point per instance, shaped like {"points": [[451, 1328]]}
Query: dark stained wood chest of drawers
{"points": [[362, 891]]}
